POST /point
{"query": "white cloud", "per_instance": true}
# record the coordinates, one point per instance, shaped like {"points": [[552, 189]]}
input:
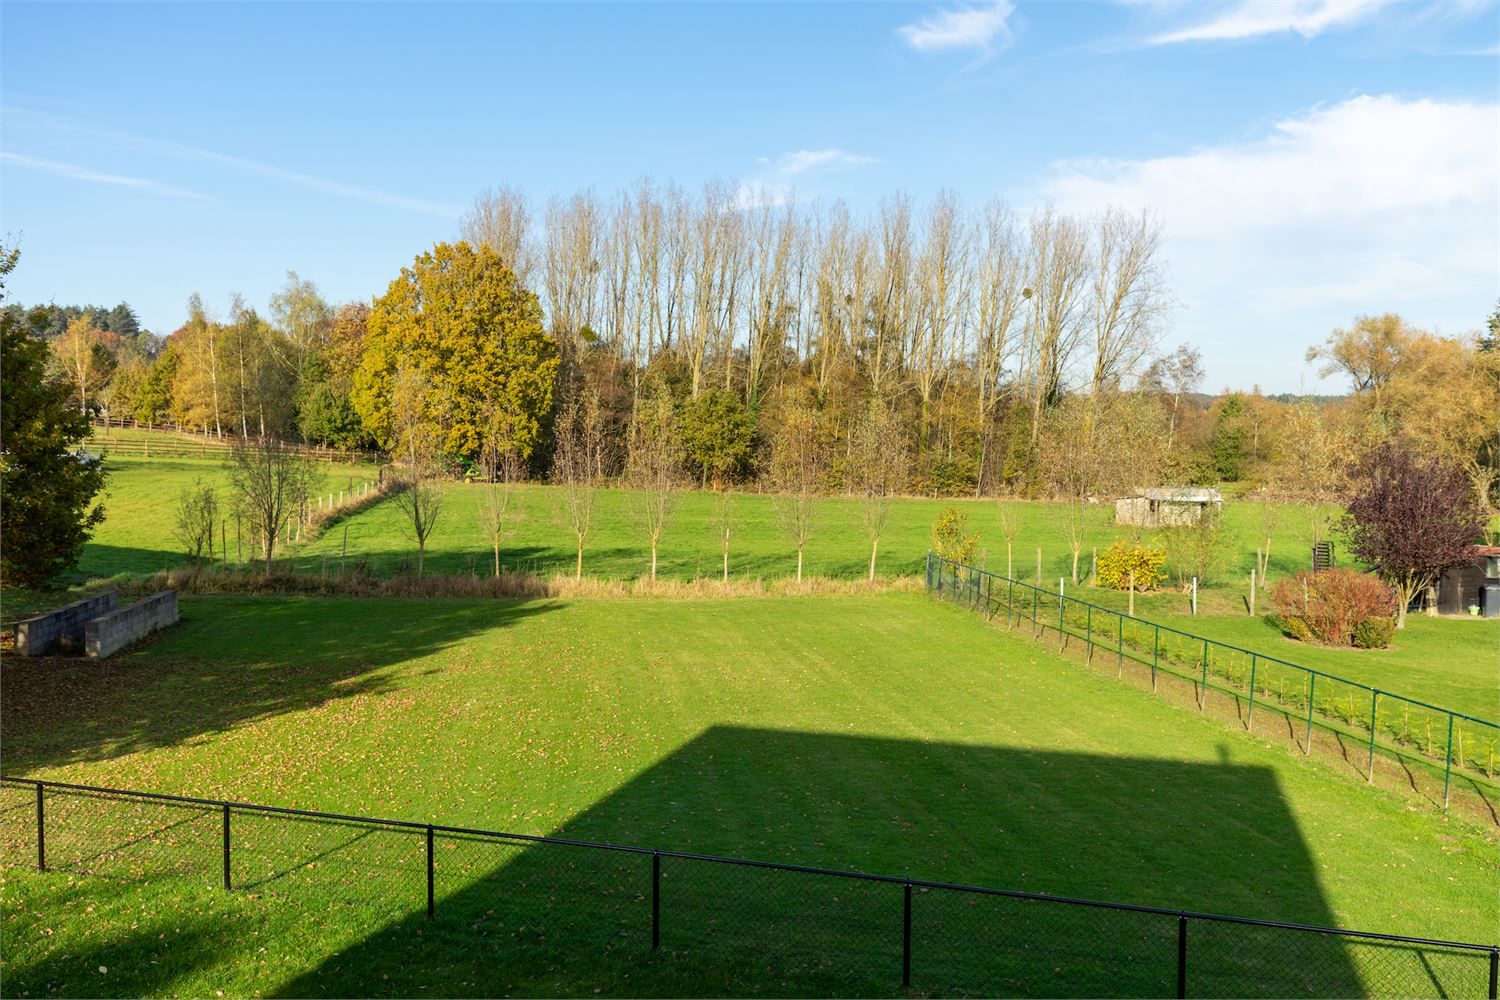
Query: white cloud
{"points": [[983, 27], [79, 173], [162, 147], [1254, 18], [1375, 203], [804, 160], [771, 186]]}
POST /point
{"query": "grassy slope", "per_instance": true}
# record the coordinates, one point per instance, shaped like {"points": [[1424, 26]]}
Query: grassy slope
{"points": [[887, 733]]}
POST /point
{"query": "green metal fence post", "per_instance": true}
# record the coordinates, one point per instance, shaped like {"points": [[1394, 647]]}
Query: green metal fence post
{"points": [[1033, 612], [1250, 712], [1312, 684], [1062, 608], [1155, 644], [1120, 644], [1203, 686], [1010, 600], [1448, 763], [1370, 767], [1088, 631]]}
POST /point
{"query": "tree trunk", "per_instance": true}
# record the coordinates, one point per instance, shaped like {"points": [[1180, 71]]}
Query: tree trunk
{"points": [[799, 564], [578, 568], [875, 544], [653, 560], [421, 556], [497, 559], [726, 563]]}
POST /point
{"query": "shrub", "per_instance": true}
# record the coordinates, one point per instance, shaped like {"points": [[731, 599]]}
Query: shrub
{"points": [[951, 538], [1331, 604], [1117, 562], [1374, 633], [1296, 628]]}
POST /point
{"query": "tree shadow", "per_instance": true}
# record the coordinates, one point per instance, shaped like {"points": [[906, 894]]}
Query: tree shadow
{"points": [[269, 657], [542, 919]]}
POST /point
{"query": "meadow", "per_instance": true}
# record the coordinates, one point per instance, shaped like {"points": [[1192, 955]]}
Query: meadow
{"points": [[1448, 662], [883, 732]]}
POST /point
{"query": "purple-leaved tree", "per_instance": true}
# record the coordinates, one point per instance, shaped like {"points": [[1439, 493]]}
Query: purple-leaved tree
{"points": [[1411, 517]]}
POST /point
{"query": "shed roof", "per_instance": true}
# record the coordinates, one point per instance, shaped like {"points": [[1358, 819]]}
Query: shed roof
{"points": [[1181, 494]]}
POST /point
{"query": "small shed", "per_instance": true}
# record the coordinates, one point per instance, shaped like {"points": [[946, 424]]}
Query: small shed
{"points": [[1459, 587], [1168, 507]]}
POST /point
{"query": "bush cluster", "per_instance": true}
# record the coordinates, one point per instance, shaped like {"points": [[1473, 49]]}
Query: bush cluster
{"points": [[1117, 562], [1336, 607]]}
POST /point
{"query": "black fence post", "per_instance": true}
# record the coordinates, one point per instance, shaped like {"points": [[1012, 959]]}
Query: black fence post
{"points": [[1494, 974], [1182, 955], [655, 900], [227, 884], [431, 901], [906, 939], [41, 830]]}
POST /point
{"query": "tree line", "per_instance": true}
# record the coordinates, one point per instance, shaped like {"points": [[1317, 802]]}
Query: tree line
{"points": [[939, 348]]}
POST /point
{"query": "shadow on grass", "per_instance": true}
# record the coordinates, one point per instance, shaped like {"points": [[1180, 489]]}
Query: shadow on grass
{"points": [[543, 919], [513, 918], [230, 661]]}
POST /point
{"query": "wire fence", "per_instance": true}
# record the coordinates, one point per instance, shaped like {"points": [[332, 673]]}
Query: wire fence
{"points": [[1442, 755], [174, 441], [737, 925]]}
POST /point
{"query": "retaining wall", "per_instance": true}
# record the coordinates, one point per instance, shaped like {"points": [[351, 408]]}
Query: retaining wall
{"points": [[38, 636], [106, 634]]}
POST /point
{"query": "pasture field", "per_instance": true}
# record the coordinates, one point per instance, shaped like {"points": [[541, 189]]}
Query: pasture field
{"points": [[884, 732], [1450, 663]]}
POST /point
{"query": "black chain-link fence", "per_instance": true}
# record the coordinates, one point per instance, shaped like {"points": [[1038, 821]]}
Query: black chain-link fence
{"points": [[736, 926]]}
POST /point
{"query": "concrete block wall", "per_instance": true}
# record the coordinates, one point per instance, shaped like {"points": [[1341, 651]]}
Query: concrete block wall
{"points": [[108, 633], [41, 635]]}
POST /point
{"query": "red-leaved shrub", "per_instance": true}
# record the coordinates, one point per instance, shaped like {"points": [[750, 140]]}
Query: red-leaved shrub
{"points": [[1331, 604]]}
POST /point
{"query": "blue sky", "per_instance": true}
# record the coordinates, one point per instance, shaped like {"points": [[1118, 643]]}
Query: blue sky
{"points": [[1310, 160]]}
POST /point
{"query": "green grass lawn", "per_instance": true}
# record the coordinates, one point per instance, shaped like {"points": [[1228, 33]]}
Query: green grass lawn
{"points": [[140, 502], [888, 733], [1450, 663]]}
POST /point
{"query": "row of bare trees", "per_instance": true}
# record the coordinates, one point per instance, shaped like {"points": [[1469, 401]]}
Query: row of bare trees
{"points": [[912, 299]]}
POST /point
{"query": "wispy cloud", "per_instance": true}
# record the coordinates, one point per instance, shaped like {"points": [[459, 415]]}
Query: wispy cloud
{"points": [[771, 186], [1255, 18], [326, 185], [805, 160], [76, 172], [1324, 217], [984, 27]]}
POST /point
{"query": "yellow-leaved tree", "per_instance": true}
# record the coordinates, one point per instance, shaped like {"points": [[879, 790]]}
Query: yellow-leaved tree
{"points": [[459, 319]]}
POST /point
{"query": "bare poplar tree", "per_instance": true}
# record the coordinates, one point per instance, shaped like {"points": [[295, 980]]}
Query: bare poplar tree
{"points": [[271, 481], [576, 468], [797, 467], [197, 519], [1059, 279], [941, 287], [1010, 525], [880, 465], [724, 522], [418, 495], [1174, 376], [502, 472], [1000, 292], [501, 220], [1129, 296], [654, 465], [574, 245]]}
